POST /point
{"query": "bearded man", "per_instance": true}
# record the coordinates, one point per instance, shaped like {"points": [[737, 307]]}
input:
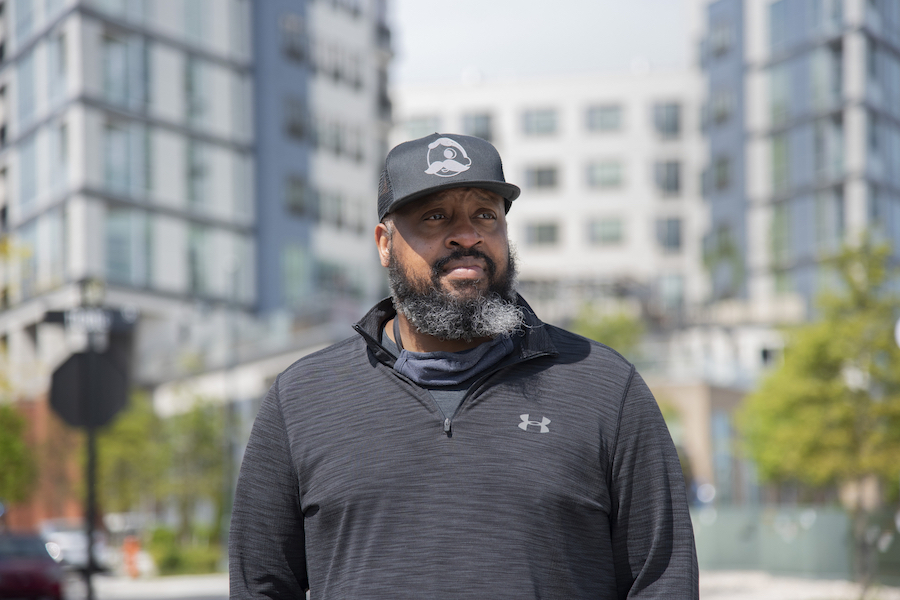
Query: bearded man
{"points": [[457, 446]]}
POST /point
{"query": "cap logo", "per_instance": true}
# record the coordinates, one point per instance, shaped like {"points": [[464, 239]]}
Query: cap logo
{"points": [[447, 158]]}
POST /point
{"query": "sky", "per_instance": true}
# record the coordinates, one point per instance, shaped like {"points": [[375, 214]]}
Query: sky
{"points": [[453, 40]]}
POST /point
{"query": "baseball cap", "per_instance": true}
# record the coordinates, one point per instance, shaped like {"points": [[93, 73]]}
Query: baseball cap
{"points": [[437, 162]]}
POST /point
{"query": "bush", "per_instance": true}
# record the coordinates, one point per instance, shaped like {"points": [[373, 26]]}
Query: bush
{"points": [[174, 559]]}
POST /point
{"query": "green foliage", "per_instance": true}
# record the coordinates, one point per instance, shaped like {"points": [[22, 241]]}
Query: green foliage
{"points": [[197, 469], [145, 461], [134, 458], [620, 331], [174, 558], [830, 414], [18, 472]]}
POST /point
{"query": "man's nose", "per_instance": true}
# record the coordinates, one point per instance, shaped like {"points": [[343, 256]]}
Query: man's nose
{"points": [[463, 233]]}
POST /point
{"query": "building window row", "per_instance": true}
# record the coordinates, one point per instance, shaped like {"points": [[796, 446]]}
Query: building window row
{"points": [[329, 206], [607, 174], [330, 59], [605, 232], [329, 135], [666, 119]]}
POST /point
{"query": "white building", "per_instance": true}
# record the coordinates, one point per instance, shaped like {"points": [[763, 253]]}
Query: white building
{"points": [[609, 167]]}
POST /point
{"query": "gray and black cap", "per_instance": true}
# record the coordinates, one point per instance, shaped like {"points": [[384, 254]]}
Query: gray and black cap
{"points": [[438, 162]]}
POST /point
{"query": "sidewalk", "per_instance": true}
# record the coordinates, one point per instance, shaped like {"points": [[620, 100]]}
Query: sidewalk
{"points": [[756, 585]]}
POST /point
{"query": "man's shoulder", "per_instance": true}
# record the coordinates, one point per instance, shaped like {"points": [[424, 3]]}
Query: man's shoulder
{"points": [[330, 360]]}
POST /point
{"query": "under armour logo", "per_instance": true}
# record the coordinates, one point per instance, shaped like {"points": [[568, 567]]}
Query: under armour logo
{"points": [[542, 423]]}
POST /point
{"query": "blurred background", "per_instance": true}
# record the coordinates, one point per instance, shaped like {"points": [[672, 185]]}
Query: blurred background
{"points": [[187, 188]]}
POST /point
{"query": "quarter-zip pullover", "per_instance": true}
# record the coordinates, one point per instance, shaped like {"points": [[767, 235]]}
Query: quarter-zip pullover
{"points": [[555, 478]]}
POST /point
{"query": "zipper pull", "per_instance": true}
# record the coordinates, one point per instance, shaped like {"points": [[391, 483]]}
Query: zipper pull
{"points": [[447, 426]]}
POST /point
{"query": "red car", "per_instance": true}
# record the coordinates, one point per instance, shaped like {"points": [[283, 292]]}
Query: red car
{"points": [[27, 570]]}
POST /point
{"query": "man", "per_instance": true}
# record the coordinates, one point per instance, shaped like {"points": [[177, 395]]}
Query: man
{"points": [[458, 447]]}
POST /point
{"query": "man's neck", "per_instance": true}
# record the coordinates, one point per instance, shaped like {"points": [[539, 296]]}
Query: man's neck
{"points": [[415, 341]]}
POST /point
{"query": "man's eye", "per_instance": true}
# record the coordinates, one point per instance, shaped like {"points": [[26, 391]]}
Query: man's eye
{"points": [[434, 217], [487, 215]]}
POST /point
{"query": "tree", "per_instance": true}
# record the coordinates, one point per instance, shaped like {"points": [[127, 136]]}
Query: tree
{"points": [[830, 414], [133, 458], [196, 440], [18, 473], [619, 331]]}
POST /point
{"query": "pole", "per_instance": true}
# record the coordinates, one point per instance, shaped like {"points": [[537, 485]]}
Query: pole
{"points": [[91, 474]]}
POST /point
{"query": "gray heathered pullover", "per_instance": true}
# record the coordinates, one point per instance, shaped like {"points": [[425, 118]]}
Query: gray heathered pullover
{"points": [[555, 479]]}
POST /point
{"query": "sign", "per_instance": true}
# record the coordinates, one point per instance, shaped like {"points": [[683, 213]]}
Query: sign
{"points": [[88, 390], [93, 320]]}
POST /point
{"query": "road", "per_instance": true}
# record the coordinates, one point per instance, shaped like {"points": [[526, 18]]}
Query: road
{"points": [[714, 585]]}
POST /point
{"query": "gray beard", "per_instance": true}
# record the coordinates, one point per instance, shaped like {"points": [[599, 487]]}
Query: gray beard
{"points": [[438, 313]]}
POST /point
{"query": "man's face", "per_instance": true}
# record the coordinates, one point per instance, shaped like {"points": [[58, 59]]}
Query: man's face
{"points": [[451, 271], [454, 241]]}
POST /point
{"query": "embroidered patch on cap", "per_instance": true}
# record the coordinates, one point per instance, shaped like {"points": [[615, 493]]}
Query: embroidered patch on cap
{"points": [[447, 158]]}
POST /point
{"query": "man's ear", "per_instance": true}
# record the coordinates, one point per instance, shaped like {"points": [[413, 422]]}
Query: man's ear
{"points": [[383, 241]]}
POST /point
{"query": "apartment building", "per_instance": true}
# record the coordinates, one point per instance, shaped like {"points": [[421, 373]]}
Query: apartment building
{"points": [[609, 167], [804, 138]]}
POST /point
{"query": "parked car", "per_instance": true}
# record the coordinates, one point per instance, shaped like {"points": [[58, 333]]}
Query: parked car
{"points": [[70, 542], [27, 570]]}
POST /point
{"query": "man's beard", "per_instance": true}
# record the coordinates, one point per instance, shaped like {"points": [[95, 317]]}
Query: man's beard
{"points": [[473, 314]]}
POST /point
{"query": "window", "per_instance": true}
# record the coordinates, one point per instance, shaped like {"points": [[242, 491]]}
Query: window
{"points": [[605, 174], [606, 231], [604, 117], [29, 248], [199, 263], [417, 127], [780, 163], [195, 90], [539, 121], [721, 105], [26, 96], [126, 158], [667, 119], [722, 173], [667, 174], [779, 234], [300, 198], [195, 17], [828, 148], [59, 155], [668, 234], [28, 181], [296, 274], [56, 67], [720, 38], [24, 19], [778, 25], [542, 178], [779, 94], [542, 234], [296, 118], [479, 125], [827, 76], [197, 171], [127, 246], [829, 220], [125, 70], [294, 41]]}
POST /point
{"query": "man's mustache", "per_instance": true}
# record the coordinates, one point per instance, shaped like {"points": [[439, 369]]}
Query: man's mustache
{"points": [[438, 267]]}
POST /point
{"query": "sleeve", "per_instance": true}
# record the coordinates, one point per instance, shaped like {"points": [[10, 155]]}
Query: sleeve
{"points": [[652, 534], [267, 556]]}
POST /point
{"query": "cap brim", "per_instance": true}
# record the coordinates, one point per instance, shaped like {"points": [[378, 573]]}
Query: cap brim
{"points": [[507, 191]]}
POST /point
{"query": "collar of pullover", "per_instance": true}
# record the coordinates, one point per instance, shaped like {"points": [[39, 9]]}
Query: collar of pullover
{"points": [[535, 337]]}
